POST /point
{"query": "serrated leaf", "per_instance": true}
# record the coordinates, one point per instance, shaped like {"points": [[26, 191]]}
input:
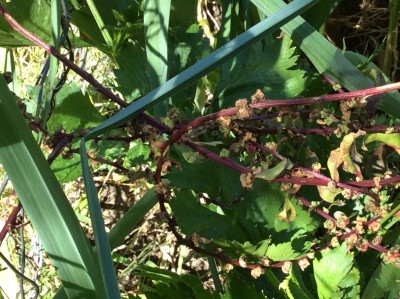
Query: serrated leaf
{"points": [[208, 224], [269, 65], [392, 140], [67, 116], [282, 252], [326, 58], [110, 149], [328, 272], [137, 153], [350, 284], [384, 283], [239, 287]]}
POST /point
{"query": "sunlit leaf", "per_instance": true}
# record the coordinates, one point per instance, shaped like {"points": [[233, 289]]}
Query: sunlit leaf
{"points": [[342, 155], [392, 140], [329, 272]]}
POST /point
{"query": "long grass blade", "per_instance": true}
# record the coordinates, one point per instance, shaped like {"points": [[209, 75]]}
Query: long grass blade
{"points": [[326, 58], [103, 249], [45, 203], [156, 23], [131, 218]]}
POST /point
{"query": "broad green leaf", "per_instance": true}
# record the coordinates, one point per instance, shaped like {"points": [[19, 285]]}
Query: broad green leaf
{"points": [[282, 252], [392, 140], [269, 65], [326, 58], [132, 81], [329, 273], [238, 287], [220, 183], [33, 15], [68, 117], [137, 153], [208, 224], [45, 203], [258, 210], [350, 284], [384, 283], [67, 169]]}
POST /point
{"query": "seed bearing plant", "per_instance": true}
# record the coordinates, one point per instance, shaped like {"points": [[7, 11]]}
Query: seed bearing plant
{"points": [[264, 152]]}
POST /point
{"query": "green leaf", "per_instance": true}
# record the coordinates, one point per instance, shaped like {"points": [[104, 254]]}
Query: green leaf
{"points": [[329, 273], [202, 67], [269, 65], [319, 13], [207, 224], [221, 183], [293, 285], [392, 140], [138, 153], [326, 58], [271, 173], [67, 116], [33, 15], [238, 287], [170, 285], [67, 169], [45, 203], [132, 81], [384, 283], [258, 211], [282, 252]]}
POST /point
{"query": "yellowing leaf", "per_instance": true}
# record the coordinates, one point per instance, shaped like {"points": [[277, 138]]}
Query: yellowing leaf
{"points": [[288, 213], [392, 140], [343, 155], [328, 193]]}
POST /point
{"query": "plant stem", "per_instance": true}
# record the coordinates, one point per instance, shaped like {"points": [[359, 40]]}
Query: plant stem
{"points": [[391, 41]]}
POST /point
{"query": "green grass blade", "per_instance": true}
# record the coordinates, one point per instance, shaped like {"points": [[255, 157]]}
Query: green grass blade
{"points": [[45, 203], [100, 23], [326, 58], [156, 23], [128, 222], [201, 68], [102, 244]]}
